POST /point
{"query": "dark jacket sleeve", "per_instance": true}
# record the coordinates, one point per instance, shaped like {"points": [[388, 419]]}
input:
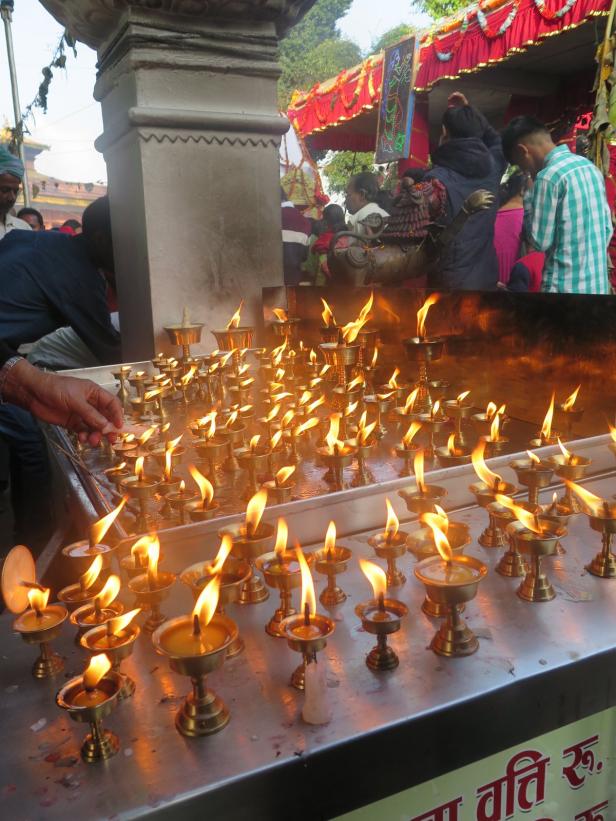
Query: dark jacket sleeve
{"points": [[492, 141]]}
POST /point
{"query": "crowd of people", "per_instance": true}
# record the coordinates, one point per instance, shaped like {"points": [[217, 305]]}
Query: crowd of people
{"points": [[548, 230]]}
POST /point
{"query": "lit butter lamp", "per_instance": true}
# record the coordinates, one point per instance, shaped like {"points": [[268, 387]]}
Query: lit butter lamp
{"points": [[213, 448], [485, 492], [422, 544], [126, 443], [546, 435], [380, 404], [451, 581], [433, 421], [329, 330], [117, 474], [511, 564], [459, 409], [136, 562], [205, 508], [391, 546], [233, 574], [482, 422], [122, 375], [533, 474], [569, 466], [251, 539], [82, 553], [363, 443], [102, 608], [196, 645], [235, 337], [423, 499], [569, 412], [331, 560], [90, 698], [537, 538], [169, 483], [281, 572], [495, 441], [233, 431], [116, 638], [142, 487], [283, 325], [336, 455], [407, 411], [296, 434], [280, 488], [452, 454], [142, 447], [185, 334], [38, 622], [342, 355], [407, 448], [74, 596], [399, 390], [255, 461], [422, 350], [180, 499], [152, 587], [307, 632], [381, 617], [602, 518]]}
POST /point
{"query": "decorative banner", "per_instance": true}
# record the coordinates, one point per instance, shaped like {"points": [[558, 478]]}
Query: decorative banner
{"points": [[566, 775], [397, 103]]}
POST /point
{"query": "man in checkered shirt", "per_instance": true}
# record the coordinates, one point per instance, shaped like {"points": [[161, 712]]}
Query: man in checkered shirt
{"points": [[566, 214]]}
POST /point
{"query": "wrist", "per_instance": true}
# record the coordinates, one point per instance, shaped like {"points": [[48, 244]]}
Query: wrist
{"points": [[15, 377]]}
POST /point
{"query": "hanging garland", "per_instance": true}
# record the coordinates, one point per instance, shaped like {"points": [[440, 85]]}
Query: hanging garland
{"points": [[554, 15], [488, 31], [446, 56]]}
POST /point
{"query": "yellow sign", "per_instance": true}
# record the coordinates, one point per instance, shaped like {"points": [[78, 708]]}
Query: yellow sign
{"points": [[566, 775]]}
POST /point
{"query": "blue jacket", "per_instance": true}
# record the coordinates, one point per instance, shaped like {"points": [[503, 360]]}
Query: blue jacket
{"points": [[464, 165]]}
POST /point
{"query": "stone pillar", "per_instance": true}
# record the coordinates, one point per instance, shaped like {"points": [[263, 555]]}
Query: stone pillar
{"points": [[191, 136]]}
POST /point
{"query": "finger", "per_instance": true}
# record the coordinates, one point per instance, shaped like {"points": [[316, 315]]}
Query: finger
{"points": [[109, 405], [94, 439], [83, 437], [89, 415]]}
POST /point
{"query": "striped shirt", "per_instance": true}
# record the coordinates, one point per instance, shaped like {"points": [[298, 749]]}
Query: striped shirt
{"points": [[567, 216]]}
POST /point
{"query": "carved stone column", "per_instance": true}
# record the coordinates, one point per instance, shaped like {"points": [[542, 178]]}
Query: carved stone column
{"points": [[191, 136]]}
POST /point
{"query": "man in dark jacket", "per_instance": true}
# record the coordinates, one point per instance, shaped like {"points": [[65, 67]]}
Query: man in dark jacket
{"points": [[469, 157]]}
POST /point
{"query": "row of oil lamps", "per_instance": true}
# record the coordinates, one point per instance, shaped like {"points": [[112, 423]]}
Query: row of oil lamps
{"points": [[198, 643]]}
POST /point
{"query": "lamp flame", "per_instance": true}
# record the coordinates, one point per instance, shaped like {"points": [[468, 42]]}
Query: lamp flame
{"points": [[376, 576], [109, 592], [351, 330], [495, 428], [281, 315], [567, 454], [393, 379], [273, 413], [282, 536], [254, 442], [231, 420], [308, 425], [440, 519], [330, 537], [591, 502], [364, 431], [490, 479], [441, 541], [169, 449], [206, 604], [188, 376], [38, 598], [331, 440], [328, 315], [316, 404], [312, 357], [409, 405], [254, 511], [412, 431], [92, 573], [418, 469], [451, 445], [461, 397], [358, 382], [363, 314], [308, 600], [276, 437], [139, 472], [234, 322], [205, 486], [393, 523], [139, 550], [147, 434], [533, 457], [284, 474], [149, 395], [119, 623], [100, 528], [422, 314], [529, 520], [570, 400], [546, 428], [153, 556], [375, 356], [96, 669], [612, 432], [224, 550], [305, 398], [287, 419]]}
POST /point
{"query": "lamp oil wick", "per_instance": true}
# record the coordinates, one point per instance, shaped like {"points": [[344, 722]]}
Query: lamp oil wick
{"points": [[307, 615], [196, 625], [381, 601]]}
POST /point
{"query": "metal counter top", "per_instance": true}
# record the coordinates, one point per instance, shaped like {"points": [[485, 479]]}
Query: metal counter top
{"points": [[539, 666]]}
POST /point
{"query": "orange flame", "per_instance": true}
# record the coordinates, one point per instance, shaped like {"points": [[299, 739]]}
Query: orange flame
{"points": [[570, 400], [324, 370], [612, 432], [393, 523], [364, 431], [436, 409], [316, 404], [461, 397], [330, 536], [393, 379], [451, 445], [308, 425], [38, 598], [96, 669], [254, 442], [490, 479], [149, 395], [276, 437], [533, 457], [153, 556], [280, 314], [92, 573], [109, 592], [358, 382], [331, 440], [282, 536], [328, 316], [409, 405], [231, 420], [169, 449], [305, 398], [273, 413], [312, 356], [495, 428], [412, 431], [440, 519], [205, 486], [254, 511], [491, 409], [375, 356], [147, 434], [441, 541], [546, 428], [592, 503], [422, 314], [376, 576], [351, 408], [308, 597], [234, 322], [119, 623], [224, 550], [100, 528], [287, 419], [567, 454], [284, 474], [139, 550], [418, 469], [139, 471], [207, 602], [351, 330], [529, 520], [363, 314], [188, 376]]}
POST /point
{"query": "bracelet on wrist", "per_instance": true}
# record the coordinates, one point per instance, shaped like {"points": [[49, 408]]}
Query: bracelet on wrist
{"points": [[4, 372]]}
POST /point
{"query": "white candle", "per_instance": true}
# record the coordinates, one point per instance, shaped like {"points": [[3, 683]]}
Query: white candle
{"points": [[316, 704]]}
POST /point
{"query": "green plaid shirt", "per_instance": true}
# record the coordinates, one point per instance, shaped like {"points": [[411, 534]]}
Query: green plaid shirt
{"points": [[566, 215]]}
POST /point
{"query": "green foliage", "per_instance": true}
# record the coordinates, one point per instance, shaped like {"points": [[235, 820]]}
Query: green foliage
{"points": [[439, 8], [314, 51], [390, 37], [343, 165]]}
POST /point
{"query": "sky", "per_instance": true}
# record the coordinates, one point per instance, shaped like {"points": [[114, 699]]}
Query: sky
{"points": [[74, 119]]}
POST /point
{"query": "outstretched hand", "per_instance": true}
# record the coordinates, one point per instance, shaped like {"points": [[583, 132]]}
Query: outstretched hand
{"points": [[79, 405]]}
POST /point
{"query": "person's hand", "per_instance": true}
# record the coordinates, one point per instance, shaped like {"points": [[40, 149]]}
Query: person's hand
{"points": [[79, 405], [457, 100]]}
